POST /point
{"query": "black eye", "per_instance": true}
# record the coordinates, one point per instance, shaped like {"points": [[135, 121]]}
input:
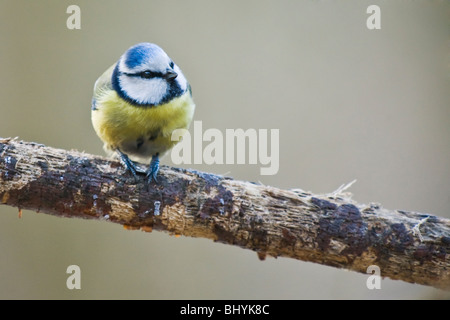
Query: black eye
{"points": [[146, 74], [171, 64]]}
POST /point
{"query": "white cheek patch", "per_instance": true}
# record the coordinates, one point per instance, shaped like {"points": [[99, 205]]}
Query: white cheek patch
{"points": [[144, 91], [180, 78]]}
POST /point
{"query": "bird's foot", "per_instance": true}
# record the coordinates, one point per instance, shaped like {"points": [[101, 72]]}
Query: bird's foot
{"points": [[153, 169], [129, 165]]}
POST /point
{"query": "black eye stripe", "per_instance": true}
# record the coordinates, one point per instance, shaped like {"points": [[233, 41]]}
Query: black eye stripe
{"points": [[147, 74], [171, 64]]}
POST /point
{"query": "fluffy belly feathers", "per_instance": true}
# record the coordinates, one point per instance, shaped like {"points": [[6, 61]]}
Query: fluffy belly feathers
{"points": [[140, 132]]}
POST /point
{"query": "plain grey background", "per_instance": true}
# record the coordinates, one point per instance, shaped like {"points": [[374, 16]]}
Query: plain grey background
{"points": [[350, 103]]}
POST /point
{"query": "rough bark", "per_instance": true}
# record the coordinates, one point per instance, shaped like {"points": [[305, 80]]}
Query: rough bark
{"points": [[328, 229]]}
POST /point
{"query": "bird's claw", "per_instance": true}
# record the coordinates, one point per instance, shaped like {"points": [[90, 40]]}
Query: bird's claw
{"points": [[153, 169], [129, 165]]}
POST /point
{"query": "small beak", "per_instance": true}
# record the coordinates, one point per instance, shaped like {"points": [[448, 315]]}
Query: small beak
{"points": [[170, 75]]}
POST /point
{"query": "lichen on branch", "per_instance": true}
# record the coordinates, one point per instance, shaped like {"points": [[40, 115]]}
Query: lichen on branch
{"points": [[329, 229]]}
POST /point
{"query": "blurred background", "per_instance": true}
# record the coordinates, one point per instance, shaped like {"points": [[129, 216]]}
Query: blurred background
{"points": [[350, 103]]}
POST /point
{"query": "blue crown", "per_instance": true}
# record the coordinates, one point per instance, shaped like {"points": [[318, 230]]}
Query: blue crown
{"points": [[140, 53]]}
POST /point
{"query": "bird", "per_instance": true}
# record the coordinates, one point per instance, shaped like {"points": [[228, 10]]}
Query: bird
{"points": [[137, 103]]}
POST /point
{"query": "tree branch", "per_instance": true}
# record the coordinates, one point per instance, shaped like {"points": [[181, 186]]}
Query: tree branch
{"points": [[327, 229]]}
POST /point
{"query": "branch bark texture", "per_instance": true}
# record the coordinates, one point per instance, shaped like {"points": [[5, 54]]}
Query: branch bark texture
{"points": [[328, 229]]}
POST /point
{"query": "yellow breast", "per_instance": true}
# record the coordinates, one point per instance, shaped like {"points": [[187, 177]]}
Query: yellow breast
{"points": [[140, 131]]}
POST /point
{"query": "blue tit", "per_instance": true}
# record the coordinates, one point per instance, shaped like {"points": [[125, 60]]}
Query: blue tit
{"points": [[138, 102]]}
